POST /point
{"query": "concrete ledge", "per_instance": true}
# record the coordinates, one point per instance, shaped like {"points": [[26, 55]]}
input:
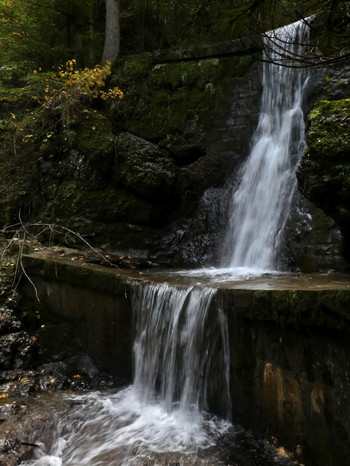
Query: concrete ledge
{"points": [[289, 347]]}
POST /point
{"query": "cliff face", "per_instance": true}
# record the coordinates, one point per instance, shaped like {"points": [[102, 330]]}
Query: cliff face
{"points": [[323, 175], [150, 175], [129, 176]]}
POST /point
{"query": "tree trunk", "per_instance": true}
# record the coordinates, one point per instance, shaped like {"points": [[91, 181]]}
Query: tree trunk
{"points": [[112, 32]]}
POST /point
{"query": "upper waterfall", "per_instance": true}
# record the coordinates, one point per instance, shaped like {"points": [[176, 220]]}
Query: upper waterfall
{"points": [[261, 201]]}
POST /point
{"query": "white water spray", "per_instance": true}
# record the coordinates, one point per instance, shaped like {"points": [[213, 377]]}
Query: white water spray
{"points": [[261, 202]]}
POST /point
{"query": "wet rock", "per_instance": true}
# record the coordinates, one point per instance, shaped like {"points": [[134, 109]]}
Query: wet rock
{"points": [[324, 175], [8, 321], [200, 244], [17, 350], [312, 240], [9, 445]]}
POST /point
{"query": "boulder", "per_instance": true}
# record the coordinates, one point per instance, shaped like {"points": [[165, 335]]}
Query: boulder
{"points": [[324, 172], [142, 168]]}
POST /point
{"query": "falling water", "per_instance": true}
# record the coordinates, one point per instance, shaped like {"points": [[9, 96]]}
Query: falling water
{"points": [[181, 372], [181, 351], [261, 201]]}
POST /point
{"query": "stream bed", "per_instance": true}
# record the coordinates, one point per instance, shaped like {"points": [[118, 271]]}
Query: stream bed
{"points": [[101, 428]]}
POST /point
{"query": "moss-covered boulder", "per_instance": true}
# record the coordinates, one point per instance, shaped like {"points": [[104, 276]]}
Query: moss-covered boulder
{"points": [[143, 168], [91, 152], [169, 99], [106, 205], [324, 172]]}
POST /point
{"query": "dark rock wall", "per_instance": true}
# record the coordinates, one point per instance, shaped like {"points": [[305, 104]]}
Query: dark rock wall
{"points": [[129, 176], [200, 115], [80, 311], [151, 175], [323, 174], [290, 369]]}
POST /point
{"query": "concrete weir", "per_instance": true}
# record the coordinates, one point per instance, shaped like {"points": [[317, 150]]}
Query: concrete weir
{"points": [[288, 338]]}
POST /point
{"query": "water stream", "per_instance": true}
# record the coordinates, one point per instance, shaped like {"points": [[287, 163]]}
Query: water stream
{"points": [[181, 353]]}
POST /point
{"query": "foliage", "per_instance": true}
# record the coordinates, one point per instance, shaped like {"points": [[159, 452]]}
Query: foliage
{"points": [[51, 31], [47, 111], [47, 32], [154, 24], [63, 91], [329, 21], [70, 84]]}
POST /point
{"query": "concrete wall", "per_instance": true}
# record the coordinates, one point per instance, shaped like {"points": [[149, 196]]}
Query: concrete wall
{"points": [[290, 351]]}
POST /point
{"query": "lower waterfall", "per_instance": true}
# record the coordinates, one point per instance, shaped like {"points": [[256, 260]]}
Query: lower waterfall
{"points": [[181, 373], [181, 349]]}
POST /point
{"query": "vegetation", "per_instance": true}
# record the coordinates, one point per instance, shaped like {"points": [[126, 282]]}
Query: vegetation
{"points": [[47, 33], [329, 21]]}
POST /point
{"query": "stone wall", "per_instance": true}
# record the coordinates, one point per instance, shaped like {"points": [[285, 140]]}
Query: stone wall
{"points": [[80, 311], [290, 369]]}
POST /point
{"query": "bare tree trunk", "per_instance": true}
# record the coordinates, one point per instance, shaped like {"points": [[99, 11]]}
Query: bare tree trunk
{"points": [[112, 32]]}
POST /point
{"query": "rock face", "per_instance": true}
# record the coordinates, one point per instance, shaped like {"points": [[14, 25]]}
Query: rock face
{"points": [[129, 176], [199, 115], [151, 175], [143, 169], [323, 174]]}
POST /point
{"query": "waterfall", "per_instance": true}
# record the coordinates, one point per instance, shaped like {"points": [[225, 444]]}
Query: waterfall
{"points": [[181, 373], [181, 349], [261, 202]]}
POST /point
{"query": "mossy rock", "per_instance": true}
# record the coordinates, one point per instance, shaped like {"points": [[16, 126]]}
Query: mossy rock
{"points": [[94, 133], [169, 98], [107, 205], [329, 133], [324, 171], [143, 169], [135, 66]]}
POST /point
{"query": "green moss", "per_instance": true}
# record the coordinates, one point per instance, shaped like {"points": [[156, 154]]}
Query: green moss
{"points": [[164, 99], [136, 66], [107, 205], [330, 308], [94, 133], [329, 133]]}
